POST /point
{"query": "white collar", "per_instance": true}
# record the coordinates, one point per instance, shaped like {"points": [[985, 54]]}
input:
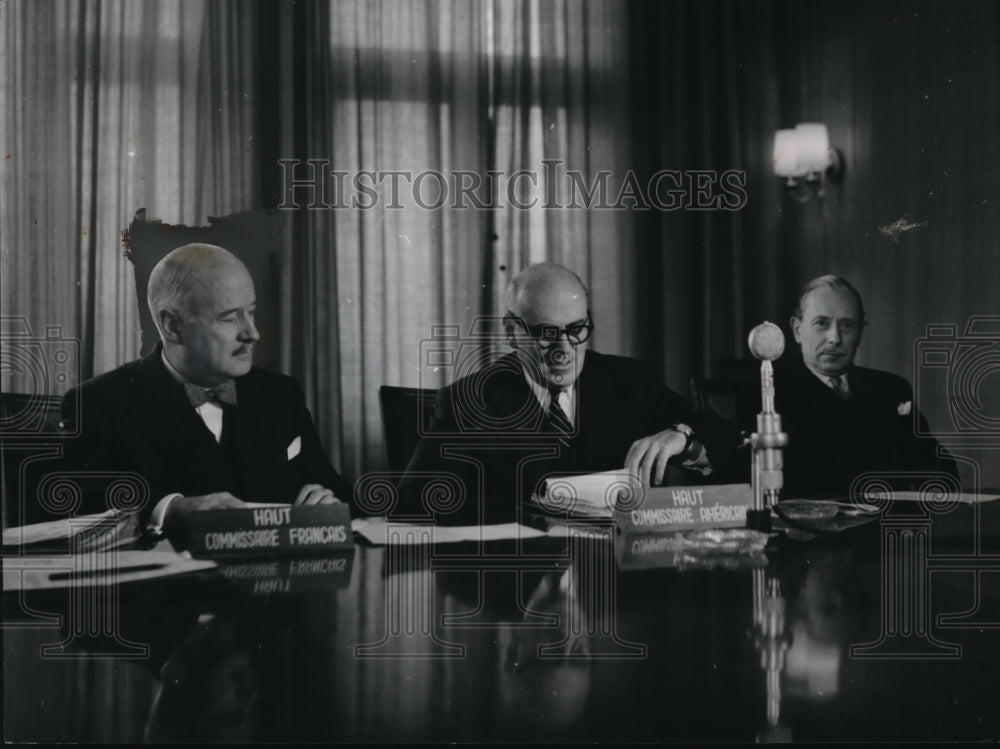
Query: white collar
{"points": [[825, 378], [567, 396]]}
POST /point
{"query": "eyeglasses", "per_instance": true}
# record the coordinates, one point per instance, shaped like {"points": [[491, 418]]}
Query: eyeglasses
{"points": [[548, 335]]}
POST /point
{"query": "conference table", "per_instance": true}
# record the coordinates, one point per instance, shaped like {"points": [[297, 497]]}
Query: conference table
{"points": [[887, 631]]}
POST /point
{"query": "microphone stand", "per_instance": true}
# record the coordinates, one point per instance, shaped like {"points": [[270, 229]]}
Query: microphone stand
{"points": [[768, 440]]}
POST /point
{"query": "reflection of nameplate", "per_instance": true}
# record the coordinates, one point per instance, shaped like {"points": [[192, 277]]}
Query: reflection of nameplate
{"points": [[271, 529], [684, 508], [734, 549], [285, 574]]}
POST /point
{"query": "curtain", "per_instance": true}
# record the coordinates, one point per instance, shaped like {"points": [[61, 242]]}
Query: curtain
{"points": [[561, 114], [188, 109], [110, 107], [435, 90]]}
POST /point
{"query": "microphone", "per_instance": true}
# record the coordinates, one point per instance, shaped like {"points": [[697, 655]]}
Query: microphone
{"points": [[767, 343]]}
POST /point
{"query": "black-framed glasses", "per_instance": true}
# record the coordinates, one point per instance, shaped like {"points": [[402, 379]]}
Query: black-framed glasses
{"points": [[548, 335]]}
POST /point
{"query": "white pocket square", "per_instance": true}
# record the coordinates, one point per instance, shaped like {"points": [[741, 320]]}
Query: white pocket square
{"points": [[294, 447]]}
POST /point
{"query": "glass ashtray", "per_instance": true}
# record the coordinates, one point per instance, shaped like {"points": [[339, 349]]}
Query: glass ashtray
{"points": [[825, 516]]}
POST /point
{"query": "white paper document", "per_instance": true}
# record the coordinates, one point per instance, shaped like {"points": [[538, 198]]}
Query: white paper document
{"points": [[590, 495], [381, 533]]}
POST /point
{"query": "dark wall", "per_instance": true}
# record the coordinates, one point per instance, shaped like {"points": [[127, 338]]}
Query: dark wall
{"points": [[910, 92]]}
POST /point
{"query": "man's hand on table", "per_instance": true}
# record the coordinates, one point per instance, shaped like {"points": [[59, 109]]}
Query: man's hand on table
{"points": [[315, 494], [647, 458], [179, 512]]}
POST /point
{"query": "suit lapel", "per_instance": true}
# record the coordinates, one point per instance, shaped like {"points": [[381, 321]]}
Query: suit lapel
{"points": [[592, 403], [509, 398], [165, 405], [246, 426], [814, 390], [860, 386]]}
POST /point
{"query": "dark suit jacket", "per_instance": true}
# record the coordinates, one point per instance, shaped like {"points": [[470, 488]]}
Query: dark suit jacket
{"points": [[501, 445], [830, 440], [137, 418]]}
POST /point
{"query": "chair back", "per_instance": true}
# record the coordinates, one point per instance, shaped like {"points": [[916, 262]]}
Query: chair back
{"points": [[735, 369], [32, 432], [406, 414], [716, 396], [253, 236]]}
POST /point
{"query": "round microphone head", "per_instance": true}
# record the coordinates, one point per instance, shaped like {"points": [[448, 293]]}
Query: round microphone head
{"points": [[766, 341]]}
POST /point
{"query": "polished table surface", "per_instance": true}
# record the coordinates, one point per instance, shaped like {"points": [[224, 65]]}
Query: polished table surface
{"points": [[892, 634]]}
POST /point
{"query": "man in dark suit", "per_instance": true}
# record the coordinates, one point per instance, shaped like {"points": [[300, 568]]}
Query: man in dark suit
{"points": [[551, 407], [842, 420], [194, 419]]}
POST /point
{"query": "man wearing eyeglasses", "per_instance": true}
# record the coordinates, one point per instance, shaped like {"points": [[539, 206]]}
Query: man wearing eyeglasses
{"points": [[552, 407]]}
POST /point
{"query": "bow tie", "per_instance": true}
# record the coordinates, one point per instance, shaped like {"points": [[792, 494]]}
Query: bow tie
{"points": [[223, 393]]}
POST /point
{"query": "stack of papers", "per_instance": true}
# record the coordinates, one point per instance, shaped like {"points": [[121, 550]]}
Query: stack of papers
{"points": [[592, 495], [106, 530]]}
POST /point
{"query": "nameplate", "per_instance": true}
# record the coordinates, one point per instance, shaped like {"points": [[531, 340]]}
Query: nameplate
{"points": [[271, 529], [265, 577], [669, 509]]}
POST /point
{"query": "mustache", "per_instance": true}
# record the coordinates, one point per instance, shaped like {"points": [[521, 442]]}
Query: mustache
{"points": [[246, 348]]}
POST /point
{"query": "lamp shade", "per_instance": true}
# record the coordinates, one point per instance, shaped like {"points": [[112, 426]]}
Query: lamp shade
{"points": [[812, 144], [785, 154]]}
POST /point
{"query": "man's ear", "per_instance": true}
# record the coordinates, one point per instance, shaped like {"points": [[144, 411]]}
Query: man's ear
{"points": [[170, 326], [796, 323], [510, 330]]}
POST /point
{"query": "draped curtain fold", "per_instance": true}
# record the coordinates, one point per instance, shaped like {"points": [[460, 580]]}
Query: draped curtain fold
{"points": [[431, 91], [109, 107]]}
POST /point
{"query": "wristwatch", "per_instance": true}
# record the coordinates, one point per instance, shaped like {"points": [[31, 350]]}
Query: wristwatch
{"points": [[692, 447]]}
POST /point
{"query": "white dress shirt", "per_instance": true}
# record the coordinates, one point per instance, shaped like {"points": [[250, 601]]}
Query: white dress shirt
{"points": [[567, 402], [567, 397], [825, 379]]}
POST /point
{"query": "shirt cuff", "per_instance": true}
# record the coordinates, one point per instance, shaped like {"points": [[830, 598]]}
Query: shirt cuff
{"points": [[155, 523]]}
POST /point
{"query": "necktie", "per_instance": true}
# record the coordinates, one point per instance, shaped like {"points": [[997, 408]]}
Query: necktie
{"points": [[839, 387], [557, 417], [223, 394]]}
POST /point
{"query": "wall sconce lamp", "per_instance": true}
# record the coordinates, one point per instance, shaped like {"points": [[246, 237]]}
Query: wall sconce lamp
{"points": [[806, 159]]}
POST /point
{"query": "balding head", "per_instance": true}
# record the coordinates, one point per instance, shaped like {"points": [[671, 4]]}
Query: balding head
{"points": [[539, 288], [547, 294], [202, 301], [182, 280]]}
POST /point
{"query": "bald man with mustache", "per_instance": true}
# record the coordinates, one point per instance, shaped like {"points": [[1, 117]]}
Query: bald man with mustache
{"points": [[200, 425]]}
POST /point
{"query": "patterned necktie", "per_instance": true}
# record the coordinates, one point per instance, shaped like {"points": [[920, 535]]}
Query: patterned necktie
{"points": [[839, 387], [557, 417], [222, 394]]}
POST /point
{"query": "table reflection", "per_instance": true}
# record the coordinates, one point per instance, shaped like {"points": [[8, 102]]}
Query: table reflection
{"points": [[581, 650], [208, 685]]}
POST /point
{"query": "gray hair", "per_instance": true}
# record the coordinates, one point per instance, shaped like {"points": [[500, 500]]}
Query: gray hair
{"points": [[829, 282], [180, 273]]}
